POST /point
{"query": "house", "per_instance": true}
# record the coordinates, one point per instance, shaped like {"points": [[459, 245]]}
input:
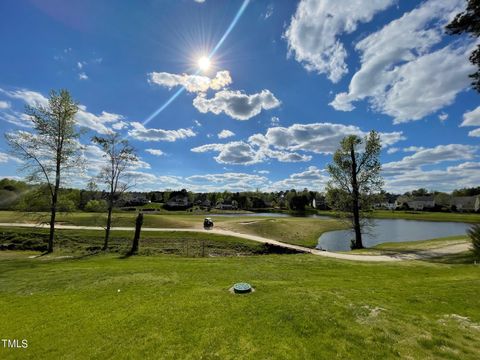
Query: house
{"points": [[178, 201], [415, 202], [135, 199], [385, 205], [227, 205], [205, 204], [465, 203]]}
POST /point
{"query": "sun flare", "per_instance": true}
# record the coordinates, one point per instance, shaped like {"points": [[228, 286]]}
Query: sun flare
{"points": [[204, 63]]}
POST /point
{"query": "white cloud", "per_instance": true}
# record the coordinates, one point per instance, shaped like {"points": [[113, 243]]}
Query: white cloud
{"points": [[82, 76], [314, 30], [474, 133], [95, 160], [284, 144], [399, 75], [199, 1], [242, 153], [268, 11], [4, 158], [192, 83], [225, 134], [236, 104], [465, 174], [263, 172], [392, 150], [4, 105], [313, 179], [237, 152], [442, 116], [430, 156], [413, 148], [156, 152], [471, 118], [99, 123], [31, 98], [415, 171], [322, 138], [139, 132], [16, 118], [119, 125], [274, 121]]}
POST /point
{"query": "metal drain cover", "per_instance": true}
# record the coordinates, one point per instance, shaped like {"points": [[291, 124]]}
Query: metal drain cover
{"points": [[242, 288]]}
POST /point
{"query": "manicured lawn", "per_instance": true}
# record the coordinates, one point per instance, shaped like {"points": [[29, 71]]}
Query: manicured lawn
{"points": [[304, 307], [293, 230], [80, 242]]}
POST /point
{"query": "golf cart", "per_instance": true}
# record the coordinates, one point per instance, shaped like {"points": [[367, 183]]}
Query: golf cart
{"points": [[207, 223]]}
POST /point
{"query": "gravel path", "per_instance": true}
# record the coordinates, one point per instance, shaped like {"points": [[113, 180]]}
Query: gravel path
{"points": [[419, 255]]}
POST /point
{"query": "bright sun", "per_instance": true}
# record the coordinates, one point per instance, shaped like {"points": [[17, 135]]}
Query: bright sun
{"points": [[204, 63]]}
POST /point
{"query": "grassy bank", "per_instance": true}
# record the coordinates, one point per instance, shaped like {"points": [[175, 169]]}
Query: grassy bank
{"points": [[304, 307], [81, 242], [293, 230], [411, 247], [297, 231]]}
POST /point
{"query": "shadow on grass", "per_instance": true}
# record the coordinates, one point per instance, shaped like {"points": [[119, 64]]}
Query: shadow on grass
{"points": [[467, 257]]}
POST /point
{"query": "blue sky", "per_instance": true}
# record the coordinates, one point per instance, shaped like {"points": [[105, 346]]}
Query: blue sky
{"points": [[287, 83]]}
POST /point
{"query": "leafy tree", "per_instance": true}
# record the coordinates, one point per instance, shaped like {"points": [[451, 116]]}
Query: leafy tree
{"points": [[52, 149], [119, 156], [468, 21], [298, 202], [355, 177], [96, 206], [420, 192], [467, 191], [11, 192]]}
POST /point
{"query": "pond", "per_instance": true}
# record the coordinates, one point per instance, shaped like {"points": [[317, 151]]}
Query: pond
{"points": [[392, 230]]}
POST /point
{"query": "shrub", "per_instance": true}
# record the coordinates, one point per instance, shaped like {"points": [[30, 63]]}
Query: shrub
{"points": [[96, 206], [474, 234]]}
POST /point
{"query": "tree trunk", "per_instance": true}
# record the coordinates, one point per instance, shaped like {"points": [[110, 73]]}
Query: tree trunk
{"points": [[53, 215], [138, 229], [109, 225], [355, 203]]}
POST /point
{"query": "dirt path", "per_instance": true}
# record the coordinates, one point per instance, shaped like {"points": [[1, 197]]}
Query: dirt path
{"points": [[419, 255]]}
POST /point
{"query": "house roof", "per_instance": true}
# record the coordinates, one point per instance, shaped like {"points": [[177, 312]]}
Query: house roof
{"points": [[464, 200]]}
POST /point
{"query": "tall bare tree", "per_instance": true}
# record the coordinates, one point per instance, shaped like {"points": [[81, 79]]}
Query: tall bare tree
{"points": [[355, 177], [51, 149], [119, 156]]}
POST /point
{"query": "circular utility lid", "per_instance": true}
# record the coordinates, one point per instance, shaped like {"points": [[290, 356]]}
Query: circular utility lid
{"points": [[242, 288]]}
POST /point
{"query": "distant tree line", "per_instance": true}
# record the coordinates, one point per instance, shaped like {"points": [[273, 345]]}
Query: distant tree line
{"points": [[21, 196]]}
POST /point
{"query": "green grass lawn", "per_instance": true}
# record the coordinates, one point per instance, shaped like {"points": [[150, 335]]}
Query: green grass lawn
{"points": [[82, 242], [304, 307], [293, 230]]}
